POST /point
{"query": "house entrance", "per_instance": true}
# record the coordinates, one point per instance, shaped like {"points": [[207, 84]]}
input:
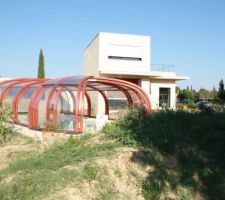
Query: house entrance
{"points": [[164, 97]]}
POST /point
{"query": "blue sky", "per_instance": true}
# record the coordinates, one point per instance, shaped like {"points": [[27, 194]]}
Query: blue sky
{"points": [[189, 34]]}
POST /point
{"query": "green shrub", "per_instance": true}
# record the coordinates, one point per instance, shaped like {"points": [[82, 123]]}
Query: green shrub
{"points": [[5, 116], [197, 140], [151, 190], [127, 129]]}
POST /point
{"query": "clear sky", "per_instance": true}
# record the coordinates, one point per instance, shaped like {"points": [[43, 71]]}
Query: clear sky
{"points": [[189, 34]]}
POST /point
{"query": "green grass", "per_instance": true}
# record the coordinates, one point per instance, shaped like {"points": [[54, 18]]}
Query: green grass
{"points": [[118, 173], [37, 175]]}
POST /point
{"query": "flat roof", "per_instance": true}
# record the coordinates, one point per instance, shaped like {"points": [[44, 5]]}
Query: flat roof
{"points": [[150, 74]]}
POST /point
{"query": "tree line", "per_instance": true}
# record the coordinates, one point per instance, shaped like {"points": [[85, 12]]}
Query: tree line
{"points": [[191, 96]]}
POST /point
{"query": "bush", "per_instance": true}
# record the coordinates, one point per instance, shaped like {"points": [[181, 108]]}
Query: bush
{"points": [[196, 141], [127, 129], [5, 116]]}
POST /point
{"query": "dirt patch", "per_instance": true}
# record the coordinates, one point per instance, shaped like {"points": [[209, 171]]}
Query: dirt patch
{"points": [[126, 175], [118, 178]]}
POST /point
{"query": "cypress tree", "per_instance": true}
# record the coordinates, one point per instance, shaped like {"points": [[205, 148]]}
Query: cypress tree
{"points": [[41, 65], [221, 93]]}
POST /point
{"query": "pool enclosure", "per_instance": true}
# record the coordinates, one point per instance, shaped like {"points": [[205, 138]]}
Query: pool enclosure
{"points": [[69, 103]]}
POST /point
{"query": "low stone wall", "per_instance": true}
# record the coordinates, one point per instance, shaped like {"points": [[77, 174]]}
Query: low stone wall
{"points": [[43, 136]]}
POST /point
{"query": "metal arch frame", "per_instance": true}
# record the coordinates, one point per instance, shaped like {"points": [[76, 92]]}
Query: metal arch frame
{"points": [[55, 119], [66, 94], [105, 97], [78, 102], [11, 80], [80, 105], [140, 93], [78, 109], [142, 96], [55, 108], [88, 103], [36, 107], [36, 99], [10, 87], [57, 98], [87, 97], [32, 104], [48, 111], [20, 94]]}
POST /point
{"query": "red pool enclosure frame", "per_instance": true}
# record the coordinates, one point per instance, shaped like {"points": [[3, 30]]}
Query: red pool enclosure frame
{"points": [[76, 88]]}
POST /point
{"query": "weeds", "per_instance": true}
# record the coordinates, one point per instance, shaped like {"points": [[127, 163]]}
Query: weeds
{"points": [[118, 173], [5, 116], [40, 173], [90, 172]]}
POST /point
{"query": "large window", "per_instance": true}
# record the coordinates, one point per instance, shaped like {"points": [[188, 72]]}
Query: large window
{"points": [[164, 97]]}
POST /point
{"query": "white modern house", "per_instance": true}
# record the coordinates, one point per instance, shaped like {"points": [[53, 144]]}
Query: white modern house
{"points": [[127, 57], [4, 79]]}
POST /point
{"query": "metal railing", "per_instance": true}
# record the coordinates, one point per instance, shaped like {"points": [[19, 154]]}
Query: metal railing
{"points": [[162, 67]]}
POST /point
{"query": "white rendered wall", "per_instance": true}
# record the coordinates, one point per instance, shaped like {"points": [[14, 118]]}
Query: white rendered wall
{"points": [[96, 55], [154, 96], [91, 58], [145, 85], [4, 79], [91, 68], [124, 45]]}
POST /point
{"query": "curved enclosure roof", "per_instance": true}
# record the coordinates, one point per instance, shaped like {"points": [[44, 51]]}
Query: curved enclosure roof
{"points": [[69, 103]]}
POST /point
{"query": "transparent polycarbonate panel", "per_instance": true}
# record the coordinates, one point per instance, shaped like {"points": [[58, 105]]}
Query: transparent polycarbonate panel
{"points": [[97, 103], [23, 105], [118, 105], [73, 80], [42, 108], [12, 93], [8, 83], [100, 86], [67, 102], [1, 89], [65, 121], [65, 109]]}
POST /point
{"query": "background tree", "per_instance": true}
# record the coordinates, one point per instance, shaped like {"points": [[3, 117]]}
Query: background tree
{"points": [[214, 94], [187, 95], [205, 94], [221, 93], [41, 65]]}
